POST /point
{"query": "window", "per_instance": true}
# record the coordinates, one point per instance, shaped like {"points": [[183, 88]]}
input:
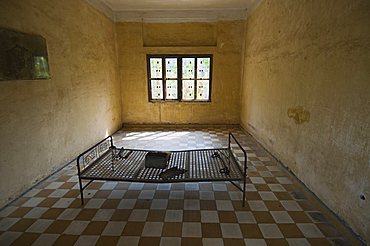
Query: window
{"points": [[180, 77]]}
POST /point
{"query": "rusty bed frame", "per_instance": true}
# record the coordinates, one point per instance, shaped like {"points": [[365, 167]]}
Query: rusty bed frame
{"points": [[104, 161]]}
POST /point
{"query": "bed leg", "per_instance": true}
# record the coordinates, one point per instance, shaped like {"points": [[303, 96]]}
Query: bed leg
{"points": [[245, 175], [244, 192], [80, 181], [81, 191]]}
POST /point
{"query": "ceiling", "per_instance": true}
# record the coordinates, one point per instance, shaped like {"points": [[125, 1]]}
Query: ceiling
{"points": [[175, 10], [119, 5]]}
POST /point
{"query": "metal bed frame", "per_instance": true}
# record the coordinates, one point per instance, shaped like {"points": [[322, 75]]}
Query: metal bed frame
{"points": [[104, 161]]}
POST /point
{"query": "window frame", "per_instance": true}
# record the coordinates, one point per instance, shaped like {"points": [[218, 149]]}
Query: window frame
{"points": [[179, 78]]}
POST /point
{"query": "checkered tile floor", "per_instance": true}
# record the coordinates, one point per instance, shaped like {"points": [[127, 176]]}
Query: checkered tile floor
{"points": [[278, 210]]}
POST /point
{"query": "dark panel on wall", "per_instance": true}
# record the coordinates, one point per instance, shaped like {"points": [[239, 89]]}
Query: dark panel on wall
{"points": [[22, 56]]}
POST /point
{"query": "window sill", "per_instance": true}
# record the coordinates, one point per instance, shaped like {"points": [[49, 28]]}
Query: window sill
{"points": [[182, 102]]}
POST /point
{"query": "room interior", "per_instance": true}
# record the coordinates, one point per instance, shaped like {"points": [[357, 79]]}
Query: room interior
{"points": [[291, 77]]}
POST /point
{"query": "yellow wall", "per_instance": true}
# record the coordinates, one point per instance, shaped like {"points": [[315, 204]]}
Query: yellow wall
{"points": [[45, 123], [306, 96], [304, 91], [222, 39]]}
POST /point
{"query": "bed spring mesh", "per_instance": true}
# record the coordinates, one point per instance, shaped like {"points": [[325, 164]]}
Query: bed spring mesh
{"points": [[200, 165]]}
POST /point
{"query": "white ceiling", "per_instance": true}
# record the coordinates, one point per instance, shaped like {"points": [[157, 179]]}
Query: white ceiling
{"points": [[175, 10], [124, 5]]}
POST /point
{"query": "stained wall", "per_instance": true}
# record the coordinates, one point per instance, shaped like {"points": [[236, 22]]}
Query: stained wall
{"points": [[223, 39], [45, 123], [306, 97]]}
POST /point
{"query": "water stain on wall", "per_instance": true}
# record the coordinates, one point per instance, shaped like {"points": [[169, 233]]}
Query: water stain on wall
{"points": [[299, 114]]}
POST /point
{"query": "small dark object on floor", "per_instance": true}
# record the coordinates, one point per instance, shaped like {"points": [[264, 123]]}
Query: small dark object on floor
{"points": [[119, 155], [172, 172], [298, 195], [157, 159], [225, 170], [318, 217], [216, 155]]}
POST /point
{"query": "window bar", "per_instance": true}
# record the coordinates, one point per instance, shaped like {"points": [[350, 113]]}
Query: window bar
{"points": [[164, 89], [179, 78], [149, 77], [195, 78], [210, 78]]}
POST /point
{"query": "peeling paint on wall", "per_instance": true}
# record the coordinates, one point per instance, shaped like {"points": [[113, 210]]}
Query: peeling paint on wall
{"points": [[299, 115]]}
